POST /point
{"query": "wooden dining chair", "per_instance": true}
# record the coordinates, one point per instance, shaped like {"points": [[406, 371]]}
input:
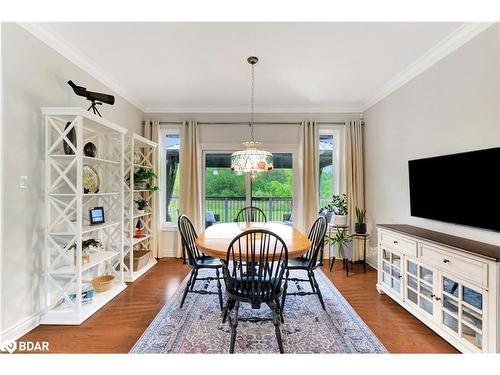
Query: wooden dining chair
{"points": [[308, 263], [251, 214], [253, 272], [197, 261]]}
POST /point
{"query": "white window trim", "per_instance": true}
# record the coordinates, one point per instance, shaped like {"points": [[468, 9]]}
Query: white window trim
{"points": [[163, 132], [337, 131], [276, 148]]}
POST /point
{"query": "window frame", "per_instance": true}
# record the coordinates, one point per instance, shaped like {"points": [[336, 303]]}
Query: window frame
{"points": [[164, 130], [276, 148], [337, 132]]}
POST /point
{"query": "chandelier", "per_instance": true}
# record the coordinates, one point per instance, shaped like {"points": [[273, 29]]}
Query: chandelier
{"points": [[252, 159]]}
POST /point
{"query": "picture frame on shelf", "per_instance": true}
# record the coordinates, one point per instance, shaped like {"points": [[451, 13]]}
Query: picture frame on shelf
{"points": [[96, 216]]}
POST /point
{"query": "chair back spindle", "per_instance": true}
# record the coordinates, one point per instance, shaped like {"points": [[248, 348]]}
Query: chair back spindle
{"points": [[188, 238], [316, 237], [251, 214], [254, 266]]}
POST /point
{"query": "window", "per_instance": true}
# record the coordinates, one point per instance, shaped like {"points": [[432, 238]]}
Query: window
{"points": [[170, 143], [329, 166], [272, 191], [227, 192]]}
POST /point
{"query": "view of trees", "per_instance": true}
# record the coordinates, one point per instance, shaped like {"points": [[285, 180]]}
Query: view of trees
{"points": [[221, 182], [326, 182]]}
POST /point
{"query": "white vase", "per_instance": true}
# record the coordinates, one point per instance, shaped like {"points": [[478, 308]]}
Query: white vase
{"points": [[344, 251], [140, 212], [340, 220]]}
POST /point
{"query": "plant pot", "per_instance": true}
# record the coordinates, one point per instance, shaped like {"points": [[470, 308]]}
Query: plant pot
{"points": [[140, 185], [360, 228], [340, 220], [140, 212], [344, 251], [85, 259]]}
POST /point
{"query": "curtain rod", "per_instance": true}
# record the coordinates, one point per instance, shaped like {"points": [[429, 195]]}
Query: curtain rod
{"points": [[256, 122]]}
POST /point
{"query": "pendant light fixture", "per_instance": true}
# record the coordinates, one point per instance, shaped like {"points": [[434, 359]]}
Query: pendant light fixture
{"points": [[252, 159]]}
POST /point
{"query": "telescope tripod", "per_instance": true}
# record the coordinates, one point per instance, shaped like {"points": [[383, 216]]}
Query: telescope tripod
{"points": [[94, 108]]}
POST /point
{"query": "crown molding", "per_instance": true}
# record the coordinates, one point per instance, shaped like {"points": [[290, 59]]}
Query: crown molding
{"points": [[258, 109], [450, 43], [77, 58]]}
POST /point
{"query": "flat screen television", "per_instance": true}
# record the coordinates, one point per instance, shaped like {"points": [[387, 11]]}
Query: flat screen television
{"points": [[460, 188]]}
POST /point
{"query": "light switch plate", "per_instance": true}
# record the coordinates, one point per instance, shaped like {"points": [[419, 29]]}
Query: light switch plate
{"points": [[23, 182]]}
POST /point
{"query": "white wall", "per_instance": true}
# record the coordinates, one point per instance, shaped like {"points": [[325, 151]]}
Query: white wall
{"points": [[275, 138], [34, 76], [452, 107]]}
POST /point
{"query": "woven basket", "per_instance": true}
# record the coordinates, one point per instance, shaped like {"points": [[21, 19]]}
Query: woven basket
{"points": [[141, 258], [102, 283]]}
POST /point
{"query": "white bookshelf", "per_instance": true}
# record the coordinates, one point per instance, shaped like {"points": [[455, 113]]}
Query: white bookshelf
{"points": [[139, 153], [67, 213]]}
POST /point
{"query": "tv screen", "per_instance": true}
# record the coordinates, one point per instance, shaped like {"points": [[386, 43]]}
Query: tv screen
{"points": [[461, 188]]}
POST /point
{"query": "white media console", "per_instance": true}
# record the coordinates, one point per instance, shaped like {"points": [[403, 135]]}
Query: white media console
{"points": [[450, 283]]}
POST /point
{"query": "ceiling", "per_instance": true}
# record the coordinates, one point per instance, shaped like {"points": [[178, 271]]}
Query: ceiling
{"points": [[197, 67]]}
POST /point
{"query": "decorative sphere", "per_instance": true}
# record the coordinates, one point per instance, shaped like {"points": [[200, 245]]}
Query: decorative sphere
{"points": [[90, 150]]}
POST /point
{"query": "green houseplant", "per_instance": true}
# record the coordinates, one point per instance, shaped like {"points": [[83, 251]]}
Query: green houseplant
{"points": [[342, 242], [143, 180], [141, 205], [360, 225], [86, 246], [339, 204]]}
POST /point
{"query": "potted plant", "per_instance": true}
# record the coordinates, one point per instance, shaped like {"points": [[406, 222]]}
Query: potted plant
{"points": [[88, 246], [141, 205], [339, 204], [143, 180], [342, 242], [360, 225]]}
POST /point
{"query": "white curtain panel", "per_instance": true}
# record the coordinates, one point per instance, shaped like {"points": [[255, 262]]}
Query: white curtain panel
{"points": [[190, 177], [307, 208], [151, 131], [354, 177]]}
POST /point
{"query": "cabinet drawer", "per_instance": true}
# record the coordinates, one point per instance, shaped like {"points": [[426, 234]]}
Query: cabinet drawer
{"points": [[399, 243], [471, 269]]}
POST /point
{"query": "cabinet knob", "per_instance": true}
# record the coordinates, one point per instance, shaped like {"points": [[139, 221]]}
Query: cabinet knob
{"points": [[437, 299], [446, 261], [433, 295], [395, 242]]}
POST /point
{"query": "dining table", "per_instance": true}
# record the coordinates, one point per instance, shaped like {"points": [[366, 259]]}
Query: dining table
{"points": [[215, 240]]}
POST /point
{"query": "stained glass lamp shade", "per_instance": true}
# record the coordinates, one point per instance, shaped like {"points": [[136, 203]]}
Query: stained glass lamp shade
{"points": [[251, 160]]}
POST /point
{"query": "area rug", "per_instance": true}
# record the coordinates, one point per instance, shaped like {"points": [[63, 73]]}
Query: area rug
{"points": [[198, 328]]}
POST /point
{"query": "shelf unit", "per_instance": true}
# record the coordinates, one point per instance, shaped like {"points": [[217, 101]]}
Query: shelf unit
{"points": [[139, 153], [67, 206]]}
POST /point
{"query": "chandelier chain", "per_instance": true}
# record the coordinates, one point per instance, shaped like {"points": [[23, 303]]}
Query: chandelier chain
{"points": [[252, 104]]}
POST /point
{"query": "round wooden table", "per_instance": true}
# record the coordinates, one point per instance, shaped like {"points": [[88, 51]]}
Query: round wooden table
{"points": [[215, 240]]}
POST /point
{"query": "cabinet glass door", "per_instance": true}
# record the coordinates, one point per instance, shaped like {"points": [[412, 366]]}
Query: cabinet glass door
{"points": [[419, 289], [462, 310], [391, 270]]}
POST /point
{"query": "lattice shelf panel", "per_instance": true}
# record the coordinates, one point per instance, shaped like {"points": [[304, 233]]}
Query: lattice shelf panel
{"points": [[68, 294], [139, 153]]}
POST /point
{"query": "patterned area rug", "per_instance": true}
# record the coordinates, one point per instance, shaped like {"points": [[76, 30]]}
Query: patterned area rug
{"points": [[198, 328]]}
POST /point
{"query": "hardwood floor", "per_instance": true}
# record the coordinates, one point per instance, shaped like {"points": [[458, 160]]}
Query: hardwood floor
{"points": [[117, 326]]}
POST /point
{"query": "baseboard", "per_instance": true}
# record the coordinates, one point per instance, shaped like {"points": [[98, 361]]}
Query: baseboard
{"points": [[372, 262], [168, 253], [19, 330]]}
